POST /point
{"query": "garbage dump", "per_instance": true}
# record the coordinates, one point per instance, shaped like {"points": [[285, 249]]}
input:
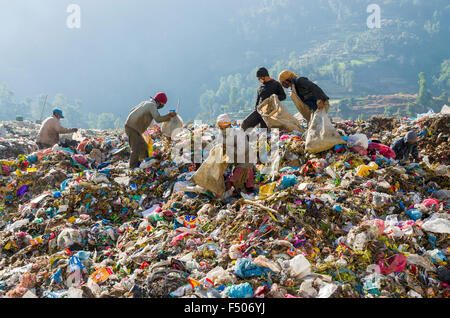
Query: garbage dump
{"points": [[348, 222]]}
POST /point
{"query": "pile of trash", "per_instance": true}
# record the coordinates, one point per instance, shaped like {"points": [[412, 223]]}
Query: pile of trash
{"points": [[16, 138], [349, 222]]}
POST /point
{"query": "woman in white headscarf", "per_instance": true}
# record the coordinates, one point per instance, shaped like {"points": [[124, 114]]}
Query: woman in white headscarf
{"points": [[242, 177]]}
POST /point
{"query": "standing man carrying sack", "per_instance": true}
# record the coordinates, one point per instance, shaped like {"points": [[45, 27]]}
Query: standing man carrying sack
{"points": [[140, 118], [268, 87], [307, 96]]}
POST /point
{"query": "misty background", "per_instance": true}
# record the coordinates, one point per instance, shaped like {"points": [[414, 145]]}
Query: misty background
{"points": [[205, 53]]}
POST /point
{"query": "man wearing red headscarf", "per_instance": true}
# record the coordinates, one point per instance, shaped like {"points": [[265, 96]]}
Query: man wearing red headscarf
{"points": [[140, 118]]}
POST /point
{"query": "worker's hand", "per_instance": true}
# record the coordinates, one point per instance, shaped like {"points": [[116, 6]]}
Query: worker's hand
{"points": [[173, 114], [320, 104]]}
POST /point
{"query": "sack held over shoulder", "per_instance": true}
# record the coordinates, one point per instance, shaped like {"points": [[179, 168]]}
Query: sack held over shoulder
{"points": [[304, 110], [210, 173], [321, 134], [276, 115]]}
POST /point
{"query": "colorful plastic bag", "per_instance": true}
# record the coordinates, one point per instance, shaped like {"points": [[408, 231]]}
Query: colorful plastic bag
{"points": [[382, 149], [101, 274], [395, 264], [267, 190], [364, 170], [148, 139]]}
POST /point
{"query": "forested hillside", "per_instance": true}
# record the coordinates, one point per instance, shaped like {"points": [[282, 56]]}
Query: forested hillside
{"points": [[334, 47]]}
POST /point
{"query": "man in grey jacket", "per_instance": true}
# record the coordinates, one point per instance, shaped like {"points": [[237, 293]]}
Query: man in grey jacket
{"points": [[140, 118], [50, 129]]}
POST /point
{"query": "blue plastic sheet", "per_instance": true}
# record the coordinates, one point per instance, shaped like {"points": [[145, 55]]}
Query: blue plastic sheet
{"points": [[245, 268], [244, 290], [288, 181], [414, 214]]}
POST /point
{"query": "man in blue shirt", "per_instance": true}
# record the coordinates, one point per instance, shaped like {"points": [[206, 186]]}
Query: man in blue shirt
{"points": [[406, 147]]}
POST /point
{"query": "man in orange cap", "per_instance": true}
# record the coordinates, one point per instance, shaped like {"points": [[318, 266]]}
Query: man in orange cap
{"points": [[307, 96], [140, 118]]}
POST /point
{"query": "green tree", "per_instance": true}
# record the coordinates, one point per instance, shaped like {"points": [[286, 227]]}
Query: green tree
{"points": [[233, 98], [443, 81], [37, 108], [424, 98], [343, 108], [118, 124], [106, 121], [388, 111], [8, 107], [443, 99], [409, 110]]}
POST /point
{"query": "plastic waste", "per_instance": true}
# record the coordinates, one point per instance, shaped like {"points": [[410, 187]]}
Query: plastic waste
{"points": [[288, 181], [414, 214], [415, 259], [358, 140], [307, 289], [244, 290], [437, 225], [219, 276], [372, 283], [262, 261], [394, 264], [444, 274], [437, 257], [245, 268], [364, 170], [148, 139], [299, 266], [267, 190], [326, 290]]}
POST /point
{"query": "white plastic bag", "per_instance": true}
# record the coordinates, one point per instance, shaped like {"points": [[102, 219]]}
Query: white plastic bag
{"points": [[299, 266], [358, 140], [321, 134], [437, 225], [326, 290], [168, 127]]}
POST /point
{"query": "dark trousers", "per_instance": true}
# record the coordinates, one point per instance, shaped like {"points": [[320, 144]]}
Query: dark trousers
{"points": [[139, 148], [253, 120]]}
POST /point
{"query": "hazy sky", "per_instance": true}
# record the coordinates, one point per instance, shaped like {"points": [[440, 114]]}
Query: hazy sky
{"points": [[128, 50], [124, 51]]}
